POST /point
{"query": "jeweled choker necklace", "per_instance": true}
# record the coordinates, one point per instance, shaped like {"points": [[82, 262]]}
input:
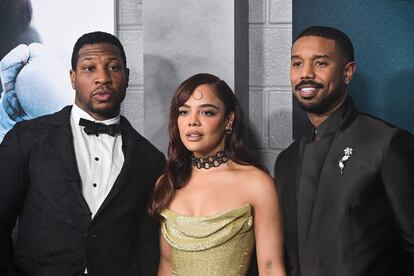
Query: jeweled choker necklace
{"points": [[208, 162]]}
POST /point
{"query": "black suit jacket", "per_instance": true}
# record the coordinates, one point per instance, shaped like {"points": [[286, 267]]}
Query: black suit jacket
{"points": [[362, 222], [41, 185]]}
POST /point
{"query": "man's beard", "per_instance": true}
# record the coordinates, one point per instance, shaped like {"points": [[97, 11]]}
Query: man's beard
{"points": [[325, 104], [109, 112]]}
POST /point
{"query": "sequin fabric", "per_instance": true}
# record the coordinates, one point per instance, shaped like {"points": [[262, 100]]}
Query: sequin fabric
{"points": [[215, 245]]}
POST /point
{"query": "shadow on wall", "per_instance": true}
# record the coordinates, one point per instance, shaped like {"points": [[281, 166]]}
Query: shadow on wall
{"points": [[15, 29], [396, 108], [253, 141], [361, 92], [277, 136], [399, 99], [158, 91]]}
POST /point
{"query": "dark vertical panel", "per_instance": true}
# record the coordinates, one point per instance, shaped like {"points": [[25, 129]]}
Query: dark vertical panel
{"points": [[241, 54]]}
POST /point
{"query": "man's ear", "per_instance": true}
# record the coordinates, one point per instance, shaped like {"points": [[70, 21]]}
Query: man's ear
{"points": [[350, 68], [72, 77]]}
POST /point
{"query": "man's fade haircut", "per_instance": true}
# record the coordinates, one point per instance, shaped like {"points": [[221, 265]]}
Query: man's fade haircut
{"points": [[94, 38], [341, 39]]}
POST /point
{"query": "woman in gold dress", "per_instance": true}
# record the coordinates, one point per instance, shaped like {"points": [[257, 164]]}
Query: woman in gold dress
{"points": [[215, 204]]}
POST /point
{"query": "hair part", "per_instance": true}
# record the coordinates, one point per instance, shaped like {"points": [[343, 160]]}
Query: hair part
{"points": [[95, 38], [342, 40], [178, 168]]}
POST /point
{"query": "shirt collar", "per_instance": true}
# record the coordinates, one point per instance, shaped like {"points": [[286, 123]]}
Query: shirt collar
{"points": [[333, 123], [77, 113]]}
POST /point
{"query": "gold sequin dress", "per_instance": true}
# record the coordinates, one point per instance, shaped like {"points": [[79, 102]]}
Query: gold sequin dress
{"points": [[215, 245]]}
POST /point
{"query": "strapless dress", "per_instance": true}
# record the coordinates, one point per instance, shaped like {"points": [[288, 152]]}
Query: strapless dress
{"points": [[220, 244]]}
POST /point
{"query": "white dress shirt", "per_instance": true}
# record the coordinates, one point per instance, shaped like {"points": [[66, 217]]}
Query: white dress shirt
{"points": [[99, 159]]}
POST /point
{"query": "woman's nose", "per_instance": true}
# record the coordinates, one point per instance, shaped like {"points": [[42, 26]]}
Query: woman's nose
{"points": [[194, 121]]}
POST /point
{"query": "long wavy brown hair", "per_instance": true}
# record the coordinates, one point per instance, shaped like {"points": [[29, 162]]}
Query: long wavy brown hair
{"points": [[178, 167]]}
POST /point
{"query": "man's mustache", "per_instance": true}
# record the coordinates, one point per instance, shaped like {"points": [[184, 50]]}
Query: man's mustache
{"points": [[309, 82]]}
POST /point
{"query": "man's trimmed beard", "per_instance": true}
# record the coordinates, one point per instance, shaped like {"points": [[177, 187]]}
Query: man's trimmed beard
{"points": [[323, 106]]}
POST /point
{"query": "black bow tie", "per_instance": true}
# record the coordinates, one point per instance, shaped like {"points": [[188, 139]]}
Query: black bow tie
{"points": [[97, 128]]}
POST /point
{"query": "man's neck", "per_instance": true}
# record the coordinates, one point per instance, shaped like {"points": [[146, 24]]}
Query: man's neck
{"points": [[96, 116], [317, 119]]}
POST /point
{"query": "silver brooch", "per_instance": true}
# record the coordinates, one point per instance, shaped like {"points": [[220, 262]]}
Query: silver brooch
{"points": [[341, 164]]}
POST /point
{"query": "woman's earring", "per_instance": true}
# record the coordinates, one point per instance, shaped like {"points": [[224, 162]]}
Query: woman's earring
{"points": [[228, 129]]}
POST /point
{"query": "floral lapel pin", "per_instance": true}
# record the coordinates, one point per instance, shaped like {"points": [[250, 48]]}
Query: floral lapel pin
{"points": [[347, 155]]}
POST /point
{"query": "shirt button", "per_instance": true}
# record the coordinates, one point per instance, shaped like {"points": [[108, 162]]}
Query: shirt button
{"points": [[96, 159], [94, 184], [89, 235]]}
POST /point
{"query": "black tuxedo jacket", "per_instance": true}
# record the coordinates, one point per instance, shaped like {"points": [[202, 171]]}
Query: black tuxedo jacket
{"points": [[362, 221], [40, 184]]}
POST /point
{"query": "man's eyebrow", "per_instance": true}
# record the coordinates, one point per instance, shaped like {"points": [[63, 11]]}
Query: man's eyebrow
{"points": [[86, 58], [321, 56], [314, 57], [89, 57]]}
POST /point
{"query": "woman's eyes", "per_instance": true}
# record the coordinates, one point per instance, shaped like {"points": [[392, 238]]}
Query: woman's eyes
{"points": [[203, 112], [208, 113]]}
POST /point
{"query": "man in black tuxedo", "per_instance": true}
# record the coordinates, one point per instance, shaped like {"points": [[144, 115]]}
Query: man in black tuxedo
{"points": [[346, 187], [79, 179]]}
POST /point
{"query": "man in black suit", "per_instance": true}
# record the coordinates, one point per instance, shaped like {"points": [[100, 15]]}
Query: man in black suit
{"points": [[346, 187], [79, 179]]}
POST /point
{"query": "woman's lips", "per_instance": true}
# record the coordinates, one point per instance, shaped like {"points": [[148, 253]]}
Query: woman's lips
{"points": [[194, 136]]}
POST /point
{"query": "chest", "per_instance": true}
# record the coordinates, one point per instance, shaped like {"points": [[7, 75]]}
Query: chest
{"points": [[209, 194]]}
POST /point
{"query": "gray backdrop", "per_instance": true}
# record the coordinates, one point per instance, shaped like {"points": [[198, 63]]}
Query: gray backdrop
{"points": [[246, 43]]}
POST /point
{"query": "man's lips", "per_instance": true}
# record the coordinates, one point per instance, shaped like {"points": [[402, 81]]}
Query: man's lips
{"points": [[102, 95], [307, 91], [308, 88]]}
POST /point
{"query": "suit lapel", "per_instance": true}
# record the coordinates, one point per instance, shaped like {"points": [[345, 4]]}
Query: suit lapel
{"points": [[62, 142], [298, 226], [330, 178], [290, 176], [133, 161]]}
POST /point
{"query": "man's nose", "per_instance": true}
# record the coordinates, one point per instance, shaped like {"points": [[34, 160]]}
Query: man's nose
{"points": [[102, 76], [307, 71]]}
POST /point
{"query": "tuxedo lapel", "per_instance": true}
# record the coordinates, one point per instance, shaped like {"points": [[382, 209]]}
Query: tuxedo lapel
{"points": [[62, 143]]}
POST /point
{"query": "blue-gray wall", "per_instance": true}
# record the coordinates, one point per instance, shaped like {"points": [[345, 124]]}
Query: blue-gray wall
{"points": [[383, 36]]}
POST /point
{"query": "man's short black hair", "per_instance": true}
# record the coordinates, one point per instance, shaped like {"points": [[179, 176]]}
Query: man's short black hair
{"points": [[94, 38], [343, 41]]}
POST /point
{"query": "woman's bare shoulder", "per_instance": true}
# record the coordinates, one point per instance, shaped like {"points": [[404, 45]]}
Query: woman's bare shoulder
{"points": [[254, 178]]}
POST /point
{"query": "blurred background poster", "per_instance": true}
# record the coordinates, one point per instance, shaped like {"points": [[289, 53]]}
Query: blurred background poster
{"points": [[36, 41]]}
